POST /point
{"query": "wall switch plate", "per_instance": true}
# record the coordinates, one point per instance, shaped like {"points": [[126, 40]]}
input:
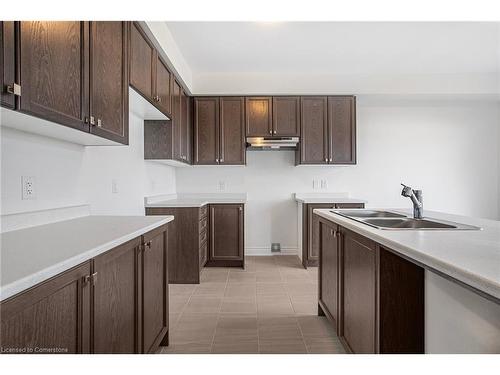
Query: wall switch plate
{"points": [[315, 184], [29, 187], [222, 185], [114, 186], [324, 184]]}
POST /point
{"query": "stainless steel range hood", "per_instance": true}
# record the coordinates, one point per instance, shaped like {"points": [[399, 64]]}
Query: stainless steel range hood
{"points": [[274, 143]]}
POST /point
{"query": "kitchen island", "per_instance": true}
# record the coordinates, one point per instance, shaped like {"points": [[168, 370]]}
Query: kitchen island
{"points": [[451, 278]]}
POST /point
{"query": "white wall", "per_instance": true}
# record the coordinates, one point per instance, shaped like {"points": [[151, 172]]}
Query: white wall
{"points": [[68, 174], [449, 149]]}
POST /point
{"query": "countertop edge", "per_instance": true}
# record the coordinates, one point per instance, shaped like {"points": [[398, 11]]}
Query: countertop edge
{"points": [[478, 282], [18, 286]]}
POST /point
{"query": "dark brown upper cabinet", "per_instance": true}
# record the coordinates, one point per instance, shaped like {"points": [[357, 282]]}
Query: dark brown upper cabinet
{"points": [[7, 64], [258, 118], [72, 73], [232, 131], [185, 133], [206, 130], [109, 80], [219, 135], [226, 235], [286, 116], [314, 130], [149, 74], [54, 71], [176, 120], [342, 129], [328, 130]]}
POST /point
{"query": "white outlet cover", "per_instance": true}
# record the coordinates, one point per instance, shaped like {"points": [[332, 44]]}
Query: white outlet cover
{"points": [[114, 186], [222, 185], [28, 184], [324, 184], [315, 184]]}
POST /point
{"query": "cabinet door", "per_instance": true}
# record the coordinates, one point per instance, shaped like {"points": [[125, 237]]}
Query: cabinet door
{"points": [[359, 293], [55, 314], [7, 63], [184, 141], [342, 129], [232, 131], [310, 256], [142, 62], [116, 320], [154, 290], [206, 130], [258, 116], [314, 130], [226, 232], [53, 67], [176, 120], [109, 80], [329, 269], [286, 116], [163, 86]]}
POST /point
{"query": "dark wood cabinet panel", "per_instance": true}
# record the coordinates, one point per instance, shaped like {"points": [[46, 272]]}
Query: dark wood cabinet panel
{"points": [[314, 130], [116, 320], [185, 133], [7, 63], [329, 272], [154, 290], [232, 130], [401, 305], [109, 80], [286, 116], [206, 130], [258, 112], [54, 314], [310, 230], [226, 234], [183, 243], [163, 86], [359, 327], [176, 119], [342, 129], [142, 62], [53, 71]]}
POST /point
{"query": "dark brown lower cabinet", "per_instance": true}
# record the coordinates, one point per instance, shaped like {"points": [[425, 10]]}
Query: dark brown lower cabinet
{"points": [[7, 64], [310, 230], [187, 242], [116, 302], [371, 295], [52, 317], [226, 235]]}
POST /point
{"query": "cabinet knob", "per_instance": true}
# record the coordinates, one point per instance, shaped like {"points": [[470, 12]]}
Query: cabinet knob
{"points": [[274, 131], [148, 245], [270, 132], [158, 99], [326, 160], [99, 122], [94, 278], [92, 120], [331, 159], [216, 160]]}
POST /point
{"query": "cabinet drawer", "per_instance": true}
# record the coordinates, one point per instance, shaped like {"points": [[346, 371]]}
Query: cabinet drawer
{"points": [[203, 212]]}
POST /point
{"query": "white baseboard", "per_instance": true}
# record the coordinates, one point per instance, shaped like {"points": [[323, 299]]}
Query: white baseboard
{"points": [[266, 251]]}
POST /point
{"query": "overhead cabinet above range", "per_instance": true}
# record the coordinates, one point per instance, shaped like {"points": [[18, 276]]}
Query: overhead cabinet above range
{"points": [[72, 73]]}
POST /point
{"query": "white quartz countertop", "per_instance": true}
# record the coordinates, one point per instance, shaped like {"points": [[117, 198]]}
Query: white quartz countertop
{"points": [[194, 200], [32, 255], [326, 198], [469, 256]]}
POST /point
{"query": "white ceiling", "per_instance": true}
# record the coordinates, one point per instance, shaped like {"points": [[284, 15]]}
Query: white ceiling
{"points": [[338, 47]]}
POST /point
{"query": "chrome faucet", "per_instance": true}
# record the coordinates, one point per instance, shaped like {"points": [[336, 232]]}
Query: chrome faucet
{"points": [[417, 200]]}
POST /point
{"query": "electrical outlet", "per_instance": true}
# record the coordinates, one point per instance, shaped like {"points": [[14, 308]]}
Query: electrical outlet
{"points": [[315, 184], [29, 187], [114, 186], [324, 184], [222, 185]]}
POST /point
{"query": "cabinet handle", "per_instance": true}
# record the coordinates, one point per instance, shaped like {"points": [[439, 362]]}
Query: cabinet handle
{"points": [[270, 132], [94, 278], [148, 245], [326, 160], [216, 160], [331, 159], [14, 89], [86, 279], [240, 208], [99, 122], [221, 160], [274, 131], [92, 120], [158, 99]]}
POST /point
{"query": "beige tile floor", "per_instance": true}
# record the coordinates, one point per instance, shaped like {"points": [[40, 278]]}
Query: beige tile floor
{"points": [[270, 307]]}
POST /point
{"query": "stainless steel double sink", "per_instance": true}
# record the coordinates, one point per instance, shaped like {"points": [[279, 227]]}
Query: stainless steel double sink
{"points": [[395, 221]]}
